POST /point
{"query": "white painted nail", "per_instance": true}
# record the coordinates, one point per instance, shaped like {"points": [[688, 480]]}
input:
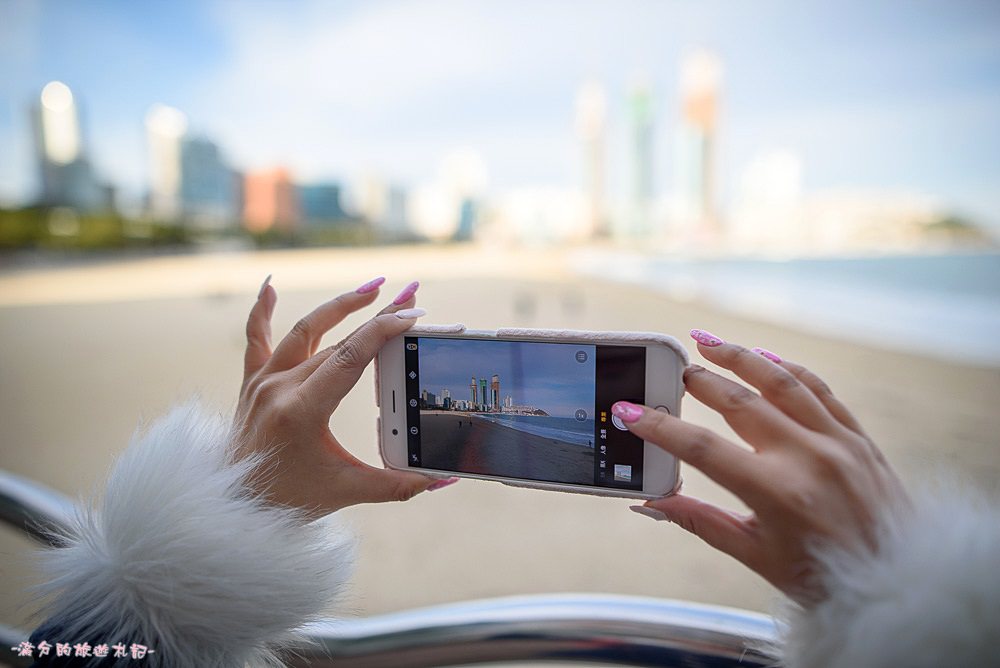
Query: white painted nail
{"points": [[410, 313], [267, 281], [650, 512]]}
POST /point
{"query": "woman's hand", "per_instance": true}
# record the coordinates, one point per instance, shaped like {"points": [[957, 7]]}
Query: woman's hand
{"points": [[288, 396], [813, 474]]}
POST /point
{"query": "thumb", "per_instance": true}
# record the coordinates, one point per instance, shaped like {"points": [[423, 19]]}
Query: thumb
{"points": [[374, 485], [724, 530]]}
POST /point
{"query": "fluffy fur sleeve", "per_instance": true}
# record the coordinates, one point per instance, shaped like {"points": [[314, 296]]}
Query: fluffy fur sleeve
{"points": [[929, 596], [180, 557]]}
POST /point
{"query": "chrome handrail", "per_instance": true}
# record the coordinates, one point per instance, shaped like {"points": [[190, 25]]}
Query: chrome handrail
{"points": [[584, 628]]}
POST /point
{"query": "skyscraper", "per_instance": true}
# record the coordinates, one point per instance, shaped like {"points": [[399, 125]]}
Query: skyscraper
{"points": [[591, 121], [641, 158], [483, 394], [270, 201], [208, 187], [473, 392], [165, 129], [320, 203], [495, 393], [67, 178], [701, 75]]}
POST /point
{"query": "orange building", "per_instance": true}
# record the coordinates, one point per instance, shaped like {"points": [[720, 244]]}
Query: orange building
{"points": [[270, 201]]}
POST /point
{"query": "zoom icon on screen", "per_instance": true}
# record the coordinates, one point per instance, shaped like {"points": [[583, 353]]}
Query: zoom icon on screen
{"points": [[580, 414]]}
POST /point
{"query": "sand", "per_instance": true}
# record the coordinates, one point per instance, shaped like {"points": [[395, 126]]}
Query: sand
{"points": [[88, 353], [471, 443]]}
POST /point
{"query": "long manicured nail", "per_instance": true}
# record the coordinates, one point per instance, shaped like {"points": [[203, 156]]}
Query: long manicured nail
{"points": [[409, 313], [706, 338], [371, 285], [407, 293], [263, 286], [628, 412], [440, 484], [763, 352], [650, 512]]}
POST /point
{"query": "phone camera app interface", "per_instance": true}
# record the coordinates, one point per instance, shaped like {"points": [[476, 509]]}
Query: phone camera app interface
{"points": [[523, 409]]}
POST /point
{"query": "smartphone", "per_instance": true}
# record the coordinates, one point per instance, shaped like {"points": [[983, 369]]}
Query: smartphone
{"points": [[530, 408]]}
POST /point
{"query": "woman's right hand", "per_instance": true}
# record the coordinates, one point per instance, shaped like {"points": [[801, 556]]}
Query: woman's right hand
{"points": [[813, 475]]}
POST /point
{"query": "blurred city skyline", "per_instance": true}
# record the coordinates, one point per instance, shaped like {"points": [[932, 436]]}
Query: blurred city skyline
{"points": [[899, 100]]}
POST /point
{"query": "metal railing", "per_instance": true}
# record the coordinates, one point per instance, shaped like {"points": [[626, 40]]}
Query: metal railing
{"points": [[565, 628]]}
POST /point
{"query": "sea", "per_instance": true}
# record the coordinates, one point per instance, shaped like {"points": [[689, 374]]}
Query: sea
{"points": [[579, 432], [944, 306]]}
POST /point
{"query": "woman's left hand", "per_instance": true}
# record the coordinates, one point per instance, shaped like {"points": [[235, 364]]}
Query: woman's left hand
{"points": [[289, 394]]}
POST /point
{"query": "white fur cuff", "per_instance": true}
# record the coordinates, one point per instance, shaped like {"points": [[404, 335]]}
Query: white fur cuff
{"points": [[179, 556], [930, 597]]}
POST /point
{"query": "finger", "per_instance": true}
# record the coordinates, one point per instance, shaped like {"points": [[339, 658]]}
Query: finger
{"points": [[825, 395], [776, 384], [754, 418], [302, 341], [724, 530], [258, 330], [367, 484], [341, 370], [733, 467], [307, 368]]}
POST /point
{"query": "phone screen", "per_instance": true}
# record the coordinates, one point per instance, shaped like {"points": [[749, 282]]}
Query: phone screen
{"points": [[524, 409]]}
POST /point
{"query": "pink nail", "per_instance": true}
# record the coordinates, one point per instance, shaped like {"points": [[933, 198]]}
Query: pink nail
{"points": [[766, 353], [407, 293], [706, 338], [441, 484], [626, 411], [371, 285], [263, 286]]}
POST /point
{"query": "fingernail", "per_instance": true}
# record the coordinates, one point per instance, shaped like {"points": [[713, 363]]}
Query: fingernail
{"points": [[706, 338], [407, 292], [371, 285], [408, 313], [763, 352], [650, 512], [263, 286], [626, 411], [441, 484]]}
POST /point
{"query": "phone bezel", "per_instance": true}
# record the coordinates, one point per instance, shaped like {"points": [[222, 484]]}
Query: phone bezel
{"points": [[664, 387]]}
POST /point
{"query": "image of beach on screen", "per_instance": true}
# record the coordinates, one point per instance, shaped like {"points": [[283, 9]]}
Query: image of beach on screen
{"points": [[514, 409]]}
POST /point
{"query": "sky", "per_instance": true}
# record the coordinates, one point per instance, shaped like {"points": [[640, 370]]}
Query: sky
{"points": [[893, 96], [543, 375]]}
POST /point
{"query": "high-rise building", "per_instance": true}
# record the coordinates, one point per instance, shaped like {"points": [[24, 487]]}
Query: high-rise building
{"points": [[700, 80], [483, 394], [384, 208], [641, 158], [320, 203], [208, 187], [67, 177], [473, 391], [495, 393], [270, 201], [165, 130], [591, 121]]}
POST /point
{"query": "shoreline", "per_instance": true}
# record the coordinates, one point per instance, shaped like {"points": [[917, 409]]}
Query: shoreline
{"points": [[486, 447]]}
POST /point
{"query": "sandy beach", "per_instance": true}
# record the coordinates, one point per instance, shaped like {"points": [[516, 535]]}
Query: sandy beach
{"points": [[489, 448], [89, 353]]}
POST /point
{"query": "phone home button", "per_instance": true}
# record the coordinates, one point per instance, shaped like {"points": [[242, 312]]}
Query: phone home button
{"points": [[663, 409]]}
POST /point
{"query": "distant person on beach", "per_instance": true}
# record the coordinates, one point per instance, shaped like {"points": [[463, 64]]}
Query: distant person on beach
{"points": [[210, 546]]}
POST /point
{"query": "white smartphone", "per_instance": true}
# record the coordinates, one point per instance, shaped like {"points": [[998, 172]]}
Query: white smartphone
{"points": [[530, 408]]}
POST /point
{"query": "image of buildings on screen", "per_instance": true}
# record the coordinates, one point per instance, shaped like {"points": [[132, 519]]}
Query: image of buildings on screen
{"points": [[481, 396]]}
